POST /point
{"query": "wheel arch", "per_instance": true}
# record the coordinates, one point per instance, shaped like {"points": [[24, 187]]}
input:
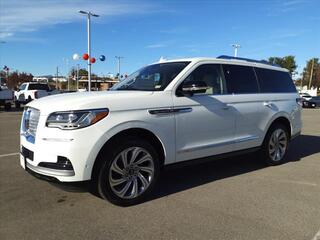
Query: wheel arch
{"points": [[131, 132], [282, 119]]}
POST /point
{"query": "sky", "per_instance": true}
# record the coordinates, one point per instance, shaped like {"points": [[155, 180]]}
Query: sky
{"points": [[37, 36]]}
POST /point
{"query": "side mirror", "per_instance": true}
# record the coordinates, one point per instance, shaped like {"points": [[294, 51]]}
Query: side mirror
{"points": [[193, 87]]}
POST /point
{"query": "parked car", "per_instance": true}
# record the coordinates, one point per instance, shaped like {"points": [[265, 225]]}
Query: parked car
{"points": [[165, 113], [316, 100], [313, 102], [305, 96], [30, 91], [6, 97]]}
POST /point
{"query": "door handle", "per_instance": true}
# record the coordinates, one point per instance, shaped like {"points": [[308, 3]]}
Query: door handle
{"points": [[267, 104], [226, 107]]}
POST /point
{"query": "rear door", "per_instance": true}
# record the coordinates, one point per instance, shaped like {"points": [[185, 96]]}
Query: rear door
{"points": [[251, 113]]}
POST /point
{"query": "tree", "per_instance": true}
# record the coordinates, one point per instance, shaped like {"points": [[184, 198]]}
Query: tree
{"points": [[83, 72], [307, 73], [287, 62], [16, 78]]}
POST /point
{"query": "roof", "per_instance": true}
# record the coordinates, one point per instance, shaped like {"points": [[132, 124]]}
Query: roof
{"points": [[229, 60]]}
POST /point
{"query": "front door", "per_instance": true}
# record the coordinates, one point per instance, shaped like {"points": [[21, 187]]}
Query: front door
{"points": [[205, 121]]}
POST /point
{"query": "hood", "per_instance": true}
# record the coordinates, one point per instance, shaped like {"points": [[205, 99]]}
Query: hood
{"points": [[113, 100]]}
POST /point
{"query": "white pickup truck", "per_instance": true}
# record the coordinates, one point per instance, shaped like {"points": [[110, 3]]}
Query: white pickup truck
{"points": [[6, 97], [30, 91]]}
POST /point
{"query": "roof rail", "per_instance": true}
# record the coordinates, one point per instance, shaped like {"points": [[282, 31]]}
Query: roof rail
{"points": [[247, 60]]}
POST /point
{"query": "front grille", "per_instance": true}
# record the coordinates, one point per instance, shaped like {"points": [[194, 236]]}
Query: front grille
{"points": [[30, 121]]}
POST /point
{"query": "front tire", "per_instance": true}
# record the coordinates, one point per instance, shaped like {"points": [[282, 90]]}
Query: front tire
{"points": [[129, 171], [275, 145]]}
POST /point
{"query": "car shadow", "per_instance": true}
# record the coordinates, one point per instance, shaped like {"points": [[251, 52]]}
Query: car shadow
{"points": [[176, 179]]}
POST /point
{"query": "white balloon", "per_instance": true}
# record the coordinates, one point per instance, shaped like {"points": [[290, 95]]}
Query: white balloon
{"points": [[76, 56]]}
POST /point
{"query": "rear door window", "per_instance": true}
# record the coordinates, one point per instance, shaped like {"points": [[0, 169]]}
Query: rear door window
{"points": [[272, 81], [240, 79]]}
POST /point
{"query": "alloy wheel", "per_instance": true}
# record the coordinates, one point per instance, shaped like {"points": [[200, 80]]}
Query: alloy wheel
{"points": [[278, 145], [131, 172]]}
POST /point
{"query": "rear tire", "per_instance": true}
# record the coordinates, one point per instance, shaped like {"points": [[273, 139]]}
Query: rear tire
{"points": [[29, 99], [7, 106], [275, 145], [128, 171], [17, 104]]}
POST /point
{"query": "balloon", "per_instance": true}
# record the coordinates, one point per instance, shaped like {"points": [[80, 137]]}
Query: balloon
{"points": [[92, 60], [102, 58], [75, 56], [85, 56]]}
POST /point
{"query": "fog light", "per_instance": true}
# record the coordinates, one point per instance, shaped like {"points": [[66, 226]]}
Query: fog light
{"points": [[62, 163]]}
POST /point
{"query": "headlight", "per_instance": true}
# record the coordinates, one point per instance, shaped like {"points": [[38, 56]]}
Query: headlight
{"points": [[69, 120]]}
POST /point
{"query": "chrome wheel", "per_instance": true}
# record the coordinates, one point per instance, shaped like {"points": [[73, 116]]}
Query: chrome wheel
{"points": [[278, 144], [131, 172]]}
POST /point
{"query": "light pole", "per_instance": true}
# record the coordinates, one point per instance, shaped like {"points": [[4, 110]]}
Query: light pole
{"points": [[119, 62], [236, 46], [89, 14]]}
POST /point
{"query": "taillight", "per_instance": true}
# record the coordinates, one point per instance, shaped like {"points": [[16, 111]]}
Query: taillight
{"points": [[299, 101]]}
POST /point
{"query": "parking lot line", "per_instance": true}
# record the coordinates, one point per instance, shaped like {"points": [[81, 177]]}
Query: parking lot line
{"points": [[317, 236], [9, 154]]}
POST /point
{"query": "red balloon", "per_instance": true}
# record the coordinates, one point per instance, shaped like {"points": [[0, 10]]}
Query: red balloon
{"points": [[85, 56], [92, 60]]}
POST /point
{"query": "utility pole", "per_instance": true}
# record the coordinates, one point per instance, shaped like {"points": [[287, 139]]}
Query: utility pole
{"points": [[119, 62], [236, 46], [66, 60], [57, 72], [89, 14], [311, 75], [77, 76]]}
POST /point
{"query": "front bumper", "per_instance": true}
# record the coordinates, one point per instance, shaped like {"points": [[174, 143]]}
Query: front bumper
{"points": [[42, 157], [45, 171]]}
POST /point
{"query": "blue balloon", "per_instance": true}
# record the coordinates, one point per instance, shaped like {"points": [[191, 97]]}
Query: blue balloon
{"points": [[102, 58]]}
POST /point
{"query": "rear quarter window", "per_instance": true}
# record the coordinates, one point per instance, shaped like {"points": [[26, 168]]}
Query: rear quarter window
{"points": [[38, 87], [272, 81]]}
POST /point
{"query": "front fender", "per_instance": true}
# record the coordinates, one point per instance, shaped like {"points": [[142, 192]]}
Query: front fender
{"points": [[111, 133]]}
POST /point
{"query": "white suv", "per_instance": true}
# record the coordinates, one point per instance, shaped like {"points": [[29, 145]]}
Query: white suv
{"points": [[165, 113]]}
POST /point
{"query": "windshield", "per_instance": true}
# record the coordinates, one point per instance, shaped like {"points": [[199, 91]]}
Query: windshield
{"points": [[151, 78]]}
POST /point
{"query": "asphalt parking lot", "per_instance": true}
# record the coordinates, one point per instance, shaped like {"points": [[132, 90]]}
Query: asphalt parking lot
{"points": [[235, 198]]}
